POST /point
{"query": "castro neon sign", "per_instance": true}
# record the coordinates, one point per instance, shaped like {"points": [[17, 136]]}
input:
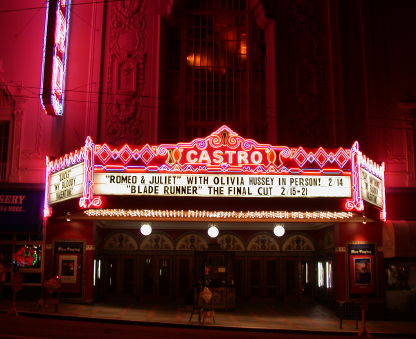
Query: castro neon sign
{"points": [[219, 157], [54, 56]]}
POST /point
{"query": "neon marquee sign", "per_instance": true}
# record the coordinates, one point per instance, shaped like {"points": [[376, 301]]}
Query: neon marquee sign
{"points": [[54, 56], [222, 164]]}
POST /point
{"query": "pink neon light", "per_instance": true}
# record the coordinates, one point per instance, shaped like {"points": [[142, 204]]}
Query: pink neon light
{"points": [[223, 151], [54, 60], [357, 202], [65, 161], [60, 33], [210, 155], [57, 77], [47, 212], [378, 171], [88, 200]]}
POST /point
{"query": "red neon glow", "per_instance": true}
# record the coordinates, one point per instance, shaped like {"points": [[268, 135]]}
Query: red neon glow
{"points": [[378, 171], [356, 203], [88, 199], [46, 209], [60, 33], [27, 256], [57, 76], [222, 152], [54, 60]]}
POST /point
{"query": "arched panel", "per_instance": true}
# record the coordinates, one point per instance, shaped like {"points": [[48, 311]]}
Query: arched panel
{"points": [[230, 242], [298, 242], [120, 241], [263, 242], [328, 239], [156, 241], [192, 241]]}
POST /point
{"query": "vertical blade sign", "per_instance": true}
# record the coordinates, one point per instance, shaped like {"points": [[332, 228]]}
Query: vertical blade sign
{"points": [[54, 56]]}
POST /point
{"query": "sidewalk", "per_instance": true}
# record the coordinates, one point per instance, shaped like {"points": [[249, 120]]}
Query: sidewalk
{"points": [[311, 317]]}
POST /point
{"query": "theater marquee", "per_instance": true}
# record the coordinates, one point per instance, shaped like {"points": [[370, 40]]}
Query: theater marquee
{"points": [[221, 165], [212, 185]]}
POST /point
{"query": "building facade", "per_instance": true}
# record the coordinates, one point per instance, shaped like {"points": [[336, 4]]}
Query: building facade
{"points": [[156, 73]]}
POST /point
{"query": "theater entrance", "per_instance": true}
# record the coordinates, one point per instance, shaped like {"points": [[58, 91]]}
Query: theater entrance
{"points": [[298, 277], [117, 277], [156, 278], [263, 277]]}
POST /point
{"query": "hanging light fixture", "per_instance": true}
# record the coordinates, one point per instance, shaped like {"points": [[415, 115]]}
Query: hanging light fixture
{"points": [[213, 231], [279, 230], [145, 229]]}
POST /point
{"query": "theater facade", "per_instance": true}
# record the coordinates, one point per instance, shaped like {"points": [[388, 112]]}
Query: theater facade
{"points": [[252, 221]]}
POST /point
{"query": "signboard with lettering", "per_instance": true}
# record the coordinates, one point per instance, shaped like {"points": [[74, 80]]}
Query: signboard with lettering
{"points": [[20, 209], [222, 164], [371, 188], [221, 185], [66, 184]]}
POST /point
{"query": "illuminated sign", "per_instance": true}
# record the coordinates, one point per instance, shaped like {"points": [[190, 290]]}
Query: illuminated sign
{"points": [[54, 56], [211, 185], [66, 184], [222, 164], [371, 188]]}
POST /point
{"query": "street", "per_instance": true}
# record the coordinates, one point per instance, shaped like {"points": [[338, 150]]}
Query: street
{"points": [[41, 327]]}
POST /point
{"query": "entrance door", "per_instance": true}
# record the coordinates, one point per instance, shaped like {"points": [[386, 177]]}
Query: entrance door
{"points": [[156, 278], [185, 279], [119, 277], [298, 280], [263, 277]]}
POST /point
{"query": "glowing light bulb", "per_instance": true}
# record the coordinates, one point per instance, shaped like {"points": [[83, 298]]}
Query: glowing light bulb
{"points": [[279, 230], [145, 229], [213, 231]]}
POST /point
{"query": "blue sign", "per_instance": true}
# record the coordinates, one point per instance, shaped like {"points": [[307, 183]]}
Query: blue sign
{"points": [[21, 210]]}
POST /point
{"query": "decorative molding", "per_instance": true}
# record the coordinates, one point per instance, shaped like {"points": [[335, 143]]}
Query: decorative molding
{"points": [[328, 241], [263, 242], [310, 68], [230, 242], [298, 242], [156, 241], [125, 74], [120, 241], [11, 110], [192, 241]]}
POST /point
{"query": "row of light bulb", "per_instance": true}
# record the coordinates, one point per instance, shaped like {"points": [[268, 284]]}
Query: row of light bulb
{"points": [[213, 231]]}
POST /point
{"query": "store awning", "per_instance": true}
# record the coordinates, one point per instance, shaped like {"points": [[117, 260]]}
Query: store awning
{"points": [[399, 239]]}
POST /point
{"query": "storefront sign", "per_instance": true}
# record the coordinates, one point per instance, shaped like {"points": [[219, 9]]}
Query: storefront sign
{"points": [[210, 185], [20, 209], [371, 188], [66, 184], [12, 203]]}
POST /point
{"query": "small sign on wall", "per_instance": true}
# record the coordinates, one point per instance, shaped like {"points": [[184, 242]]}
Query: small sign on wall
{"points": [[362, 268], [68, 268]]}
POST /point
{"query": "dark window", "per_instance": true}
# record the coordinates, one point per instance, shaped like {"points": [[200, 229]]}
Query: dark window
{"points": [[214, 72], [4, 147]]}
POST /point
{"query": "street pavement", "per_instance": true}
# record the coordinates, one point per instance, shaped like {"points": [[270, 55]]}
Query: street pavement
{"points": [[125, 320]]}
